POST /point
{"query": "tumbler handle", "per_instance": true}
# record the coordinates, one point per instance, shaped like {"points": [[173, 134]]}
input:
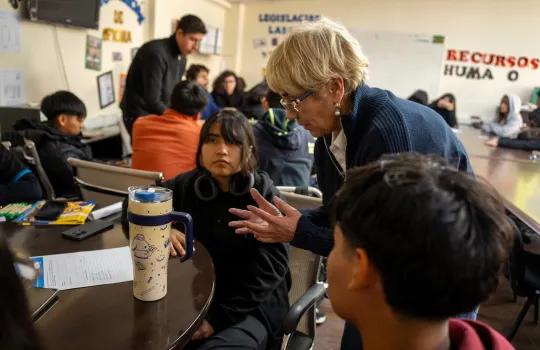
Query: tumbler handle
{"points": [[187, 221]]}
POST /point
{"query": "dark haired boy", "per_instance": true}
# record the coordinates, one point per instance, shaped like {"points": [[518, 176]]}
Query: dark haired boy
{"points": [[199, 74], [57, 140], [416, 242], [168, 142], [156, 68]]}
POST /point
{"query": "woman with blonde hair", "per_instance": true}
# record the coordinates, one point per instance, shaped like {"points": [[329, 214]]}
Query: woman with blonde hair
{"points": [[320, 72]]}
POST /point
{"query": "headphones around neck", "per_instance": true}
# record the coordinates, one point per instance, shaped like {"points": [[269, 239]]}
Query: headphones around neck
{"points": [[206, 188]]}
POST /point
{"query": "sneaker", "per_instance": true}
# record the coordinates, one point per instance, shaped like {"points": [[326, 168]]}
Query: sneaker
{"points": [[320, 317]]}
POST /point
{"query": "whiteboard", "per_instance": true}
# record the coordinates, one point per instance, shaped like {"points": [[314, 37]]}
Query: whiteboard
{"points": [[402, 62]]}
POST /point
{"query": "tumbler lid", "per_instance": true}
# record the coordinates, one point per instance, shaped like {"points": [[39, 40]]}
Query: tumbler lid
{"points": [[147, 196]]}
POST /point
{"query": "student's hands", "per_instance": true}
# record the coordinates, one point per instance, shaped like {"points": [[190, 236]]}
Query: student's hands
{"points": [[178, 243], [493, 142], [269, 223], [204, 331]]}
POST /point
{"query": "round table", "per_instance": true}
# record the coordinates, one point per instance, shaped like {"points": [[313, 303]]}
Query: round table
{"points": [[108, 316]]}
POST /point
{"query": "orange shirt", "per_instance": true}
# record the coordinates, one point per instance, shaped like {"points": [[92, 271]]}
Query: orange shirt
{"points": [[166, 143]]}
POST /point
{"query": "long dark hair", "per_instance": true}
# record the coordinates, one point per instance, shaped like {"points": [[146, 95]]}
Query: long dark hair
{"points": [[217, 86], [236, 130], [16, 328], [502, 116]]}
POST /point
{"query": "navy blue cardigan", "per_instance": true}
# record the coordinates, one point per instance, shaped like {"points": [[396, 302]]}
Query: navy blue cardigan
{"points": [[380, 123]]}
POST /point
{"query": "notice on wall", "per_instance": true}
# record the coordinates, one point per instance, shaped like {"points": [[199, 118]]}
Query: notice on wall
{"points": [[10, 34], [93, 53], [11, 87]]}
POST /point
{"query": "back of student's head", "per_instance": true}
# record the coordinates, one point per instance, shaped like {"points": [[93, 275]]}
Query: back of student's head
{"points": [[17, 330], [194, 70], [62, 102], [191, 24], [437, 237], [419, 96], [256, 94], [188, 98], [273, 99], [234, 129]]}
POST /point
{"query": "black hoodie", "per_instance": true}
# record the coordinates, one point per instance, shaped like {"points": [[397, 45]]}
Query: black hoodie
{"points": [[252, 278], [54, 148], [284, 149]]}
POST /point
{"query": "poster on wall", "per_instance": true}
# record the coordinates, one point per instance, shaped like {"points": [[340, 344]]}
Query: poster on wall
{"points": [[93, 53], [10, 35], [105, 89], [121, 85], [11, 87]]}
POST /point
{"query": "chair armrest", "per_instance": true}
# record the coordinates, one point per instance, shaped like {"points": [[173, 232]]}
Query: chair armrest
{"points": [[297, 310]]}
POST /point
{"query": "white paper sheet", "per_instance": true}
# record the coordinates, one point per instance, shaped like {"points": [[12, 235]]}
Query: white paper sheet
{"points": [[84, 269], [11, 87], [10, 34]]}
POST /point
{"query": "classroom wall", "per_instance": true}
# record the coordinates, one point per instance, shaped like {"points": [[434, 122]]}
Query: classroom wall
{"points": [[212, 12], [49, 64], [492, 26]]}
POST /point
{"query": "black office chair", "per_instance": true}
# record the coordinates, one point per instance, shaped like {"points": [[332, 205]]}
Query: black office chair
{"points": [[524, 276], [28, 154]]}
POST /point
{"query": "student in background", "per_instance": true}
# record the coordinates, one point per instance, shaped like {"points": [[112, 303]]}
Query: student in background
{"points": [[446, 107], [17, 331], [529, 137], [17, 182], [157, 67], [416, 242], [254, 101], [226, 91], [199, 74], [57, 140], [168, 142], [508, 120], [419, 96], [252, 278], [285, 149]]}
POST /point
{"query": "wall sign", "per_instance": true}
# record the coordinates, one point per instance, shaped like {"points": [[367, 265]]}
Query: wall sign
{"points": [[478, 64], [281, 24]]}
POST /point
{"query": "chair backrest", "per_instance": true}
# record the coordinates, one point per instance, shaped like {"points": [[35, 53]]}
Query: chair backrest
{"points": [[303, 264], [28, 154], [107, 184], [517, 261]]}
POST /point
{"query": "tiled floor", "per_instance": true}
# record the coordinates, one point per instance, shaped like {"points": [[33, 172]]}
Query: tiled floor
{"points": [[499, 312]]}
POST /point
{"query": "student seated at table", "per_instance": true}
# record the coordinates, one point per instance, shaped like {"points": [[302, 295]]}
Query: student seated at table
{"points": [[285, 148], [254, 102], [227, 91], [17, 182], [252, 278], [508, 121], [446, 107], [416, 242], [17, 332], [419, 96], [57, 140], [199, 74], [168, 142]]}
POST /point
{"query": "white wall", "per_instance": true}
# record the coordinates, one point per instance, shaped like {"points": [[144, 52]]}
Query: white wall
{"points": [[212, 12], [41, 58], [499, 26]]}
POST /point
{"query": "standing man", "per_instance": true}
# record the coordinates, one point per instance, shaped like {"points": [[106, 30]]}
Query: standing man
{"points": [[157, 67]]}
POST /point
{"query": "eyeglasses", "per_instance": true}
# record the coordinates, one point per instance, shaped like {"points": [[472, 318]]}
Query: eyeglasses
{"points": [[292, 105]]}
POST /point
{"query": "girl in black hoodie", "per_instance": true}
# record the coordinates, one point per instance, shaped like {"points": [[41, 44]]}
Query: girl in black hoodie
{"points": [[446, 107], [252, 278]]}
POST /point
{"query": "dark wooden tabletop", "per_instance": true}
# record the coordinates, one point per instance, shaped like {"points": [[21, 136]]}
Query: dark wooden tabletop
{"points": [[474, 141], [511, 172], [108, 316]]}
